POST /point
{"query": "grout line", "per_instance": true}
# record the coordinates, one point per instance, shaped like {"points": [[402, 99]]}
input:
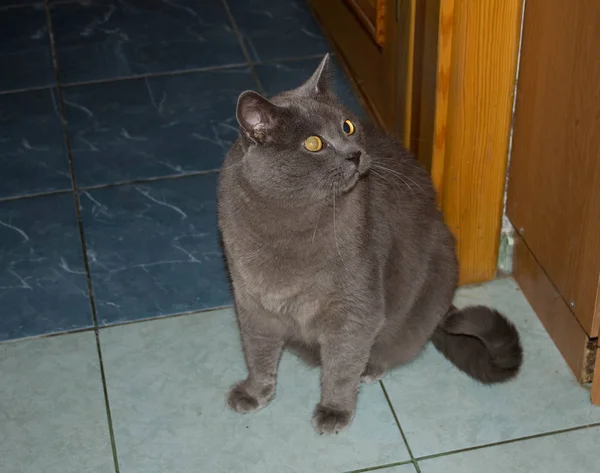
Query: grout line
{"points": [[149, 179], [155, 74], [111, 430], [74, 190], [82, 236], [28, 89], [151, 75], [415, 460], [116, 324], [239, 36], [59, 2], [31, 196], [381, 467], [112, 184], [293, 59], [37, 5], [73, 331], [505, 442], [412, 457], [162, 74], [164, 317]]}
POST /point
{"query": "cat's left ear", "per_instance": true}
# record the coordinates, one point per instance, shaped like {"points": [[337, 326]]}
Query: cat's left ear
{"points": [[256, 115], [320, 82]]}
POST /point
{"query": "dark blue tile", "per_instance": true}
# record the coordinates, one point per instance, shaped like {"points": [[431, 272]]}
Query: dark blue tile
{"points": [[25, 55], [19, 3], [33, 155], [278, 29], [154, 249], [104, 39], [143, 128], [288, 75], [43, 286]]}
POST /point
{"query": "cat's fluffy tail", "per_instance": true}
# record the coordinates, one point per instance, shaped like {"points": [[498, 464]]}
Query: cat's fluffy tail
{"points": [[481, 342]]}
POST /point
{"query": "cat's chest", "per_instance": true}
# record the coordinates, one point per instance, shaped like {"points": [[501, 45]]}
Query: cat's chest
{"points": [[282, 281], [295, 296]]}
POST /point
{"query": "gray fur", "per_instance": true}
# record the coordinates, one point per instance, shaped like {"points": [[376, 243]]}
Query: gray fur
{"points": [[344, 260]]}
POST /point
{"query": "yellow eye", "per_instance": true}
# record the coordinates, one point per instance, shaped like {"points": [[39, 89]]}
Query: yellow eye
{"points": [[348, 127], [313, 143]]}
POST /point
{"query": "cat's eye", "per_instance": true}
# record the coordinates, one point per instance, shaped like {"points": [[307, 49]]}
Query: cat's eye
{"points": [[348, 127], [313, 143]]}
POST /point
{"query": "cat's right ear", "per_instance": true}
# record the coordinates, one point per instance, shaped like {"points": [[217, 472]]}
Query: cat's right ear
{"points": [[256, 115]]}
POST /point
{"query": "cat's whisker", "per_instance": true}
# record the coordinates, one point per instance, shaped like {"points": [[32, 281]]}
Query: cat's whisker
{"points": [[403, 177], [335, 231], [416, 184], [406, 162], [317, 225], [397, 174], [391, 183]]}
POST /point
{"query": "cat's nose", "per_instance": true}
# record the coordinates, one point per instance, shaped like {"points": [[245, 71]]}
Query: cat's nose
{"points": [[354, 157]]}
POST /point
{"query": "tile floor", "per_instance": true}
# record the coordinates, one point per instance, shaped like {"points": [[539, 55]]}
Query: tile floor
{"points": [[114, 119], [115, 116], [155, 403]]}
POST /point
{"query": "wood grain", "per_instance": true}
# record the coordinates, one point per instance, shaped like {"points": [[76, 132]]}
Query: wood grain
{"points": [[409, 67], [357, 47], [554, 186], [400, 51], [424, 59], [380, 22], [436, 49], [552, 310], [485, 42], [366, 13], [442, 89], [381, 71]]}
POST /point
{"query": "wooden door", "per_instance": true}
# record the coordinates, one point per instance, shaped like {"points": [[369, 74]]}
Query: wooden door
{"points": [[375, 40], [554, 190], [554, 186]]}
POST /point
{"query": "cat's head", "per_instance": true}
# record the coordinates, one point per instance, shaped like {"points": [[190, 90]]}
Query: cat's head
{"points": [[302, 145]]}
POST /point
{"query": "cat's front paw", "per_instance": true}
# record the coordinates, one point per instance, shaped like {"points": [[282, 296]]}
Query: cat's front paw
{"points": [[372, 374], [327, 420], [244, 397]]}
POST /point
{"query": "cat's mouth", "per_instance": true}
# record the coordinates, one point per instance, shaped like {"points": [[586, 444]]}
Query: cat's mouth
{"points": [[355, 174], [350, 182]]}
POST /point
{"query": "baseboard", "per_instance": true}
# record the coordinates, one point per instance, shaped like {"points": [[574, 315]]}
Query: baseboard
{"points": [[578, 350], [596, 385]]}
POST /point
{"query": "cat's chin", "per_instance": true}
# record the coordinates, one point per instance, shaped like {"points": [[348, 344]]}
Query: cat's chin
{"points": [[351, 182]]}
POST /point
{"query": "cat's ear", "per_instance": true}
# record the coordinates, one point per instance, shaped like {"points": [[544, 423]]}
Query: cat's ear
{"points": [[320, 82], [256, 115]]}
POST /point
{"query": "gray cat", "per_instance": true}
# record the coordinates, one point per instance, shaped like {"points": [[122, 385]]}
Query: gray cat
{"points": [[337, 252]]}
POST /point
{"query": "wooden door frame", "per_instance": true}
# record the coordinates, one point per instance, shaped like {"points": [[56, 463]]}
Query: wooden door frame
{"points": [[465, 119], [394, 87], [450, 95]]}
